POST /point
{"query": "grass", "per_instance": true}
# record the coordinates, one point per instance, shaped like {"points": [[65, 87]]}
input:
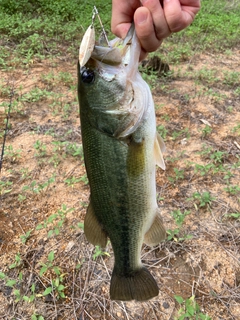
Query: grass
{"points": [[208, 32], [36, 29], [48, 270]]}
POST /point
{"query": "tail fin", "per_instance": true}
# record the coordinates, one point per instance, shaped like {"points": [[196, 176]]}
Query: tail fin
{"points": [[140, 286]]}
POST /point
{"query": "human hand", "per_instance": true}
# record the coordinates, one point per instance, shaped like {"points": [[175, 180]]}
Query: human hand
{"points": [[152, 22]]}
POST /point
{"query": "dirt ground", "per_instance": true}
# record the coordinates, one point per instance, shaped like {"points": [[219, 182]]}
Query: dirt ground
{"points": [[43, 176]]}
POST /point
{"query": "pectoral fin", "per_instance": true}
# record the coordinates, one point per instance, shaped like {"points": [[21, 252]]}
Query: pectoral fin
{"points": [[93, 229], [159, 148], [157, 232]]}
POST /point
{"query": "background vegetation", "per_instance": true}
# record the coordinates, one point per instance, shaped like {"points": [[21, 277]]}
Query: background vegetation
{"points": [[38, 27]]}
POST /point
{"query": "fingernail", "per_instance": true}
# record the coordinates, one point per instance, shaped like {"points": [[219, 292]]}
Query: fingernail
{"points": [[141, 17]]}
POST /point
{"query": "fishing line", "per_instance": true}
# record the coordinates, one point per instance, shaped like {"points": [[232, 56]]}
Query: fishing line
{"points": [[96, 13], [6, 128]]}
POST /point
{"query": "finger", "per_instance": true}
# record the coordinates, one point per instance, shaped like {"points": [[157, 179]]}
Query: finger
{"points": [[180, 14], [145, 30], [143, 55], [121, 30], [159, 21], [122, 16]]}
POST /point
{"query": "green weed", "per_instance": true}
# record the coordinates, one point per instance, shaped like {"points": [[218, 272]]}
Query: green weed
{"points": [[55, 222], [32, 46], [48, 78], [228, 176], [5, 187], [15, 284], [17, 262], [165, 117], [35, 95], [217, 156], [12, 154], [25, 174], [26, 236], [55, 160], [179, 218], [234, 215], [203, 169], [236, 129], [233, 190], [237, 91], [206, 131], [215, 94], [84, 179], [189, 309], [5, 90], [74, 149], [98, 252], [162, 131], [69, 148], [174, 235], [37, 188], [201, 200], [184, 133], [56, 285], [207, 75], [37, 317], [65, 78], [150, 76], [48, 265], [178, 156], [26, 298], [71, 181], [231, 78], [179, 175], [41, 149]]}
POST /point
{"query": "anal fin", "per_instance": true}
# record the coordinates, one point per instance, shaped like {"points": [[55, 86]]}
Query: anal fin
{"points": [[139, 286], [93, 229], [157, 232]]}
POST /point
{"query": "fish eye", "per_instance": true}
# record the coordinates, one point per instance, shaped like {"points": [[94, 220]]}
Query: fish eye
{"points": [[88, 76]]}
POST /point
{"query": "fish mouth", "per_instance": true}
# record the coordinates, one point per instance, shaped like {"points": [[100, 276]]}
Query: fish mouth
{"points": [[116, 52]]}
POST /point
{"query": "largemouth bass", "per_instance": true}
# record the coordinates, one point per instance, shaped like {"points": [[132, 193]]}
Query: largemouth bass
{"points": [[121, 149]]}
